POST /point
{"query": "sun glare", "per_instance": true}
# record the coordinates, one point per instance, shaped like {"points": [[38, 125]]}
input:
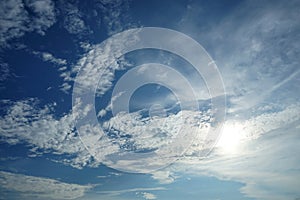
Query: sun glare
{"points": [[231, 137]]}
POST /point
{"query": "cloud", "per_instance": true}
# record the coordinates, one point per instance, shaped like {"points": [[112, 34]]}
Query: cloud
{"points": [[254, 48], [115, 15], [268, 166], [265, 159], [115, 19], [73, 19], [164, 177], [74, 24], [98, 65], [166, 137], [45, 14], [153, 132], [261, 51], [48, 57], [30, 187], [148, 195], [16, 21], [25, 121], [5, 72], [32, 124]]}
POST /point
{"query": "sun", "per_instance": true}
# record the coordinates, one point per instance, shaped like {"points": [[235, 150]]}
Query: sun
{"points": [[231, 136]]}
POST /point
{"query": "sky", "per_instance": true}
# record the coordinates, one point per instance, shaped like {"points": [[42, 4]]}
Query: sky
{"points": [[137, 99]]}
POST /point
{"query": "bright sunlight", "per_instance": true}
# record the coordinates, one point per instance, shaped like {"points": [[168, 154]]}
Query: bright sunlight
{"points": [[231, 137]]}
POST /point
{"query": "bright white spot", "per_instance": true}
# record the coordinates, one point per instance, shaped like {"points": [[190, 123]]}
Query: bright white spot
{"points": [[231, 137]]}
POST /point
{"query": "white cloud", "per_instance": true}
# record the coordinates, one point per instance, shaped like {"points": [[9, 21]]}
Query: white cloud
{"points": [[41, 188], [45, 14], [15, 20], [116, 17], [108, 194], [254, 48], [154, 132], [113, 15], [97, 66], [26, 122], [268, 166], [74, 24], [265, 160], [259, 70], [73, 20], [171, 135], [148, 195], [164, 177], [5, 72], [252, 52], [50, 58]]}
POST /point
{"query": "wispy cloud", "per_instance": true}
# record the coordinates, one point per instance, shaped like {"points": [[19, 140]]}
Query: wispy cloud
{"points": [[30, 187], [145, 192], [254, 48]]}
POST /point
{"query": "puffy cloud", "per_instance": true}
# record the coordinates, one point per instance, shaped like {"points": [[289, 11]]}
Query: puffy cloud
{"points": [[155, 132], [30, 187], [161, 139], [98, 65], [26, 122]]}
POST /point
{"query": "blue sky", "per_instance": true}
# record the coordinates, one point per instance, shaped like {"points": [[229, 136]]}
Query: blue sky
{"points": [[46, 46]]}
